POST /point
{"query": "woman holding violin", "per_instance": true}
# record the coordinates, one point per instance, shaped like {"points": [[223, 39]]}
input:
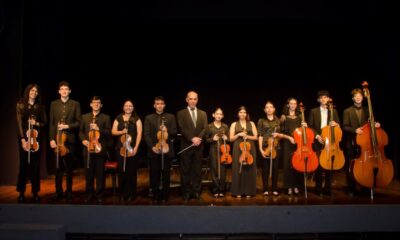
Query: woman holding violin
{"points": [[268, 143], [31, 116], [216, 136], [290, 120], [127, 128], [243, 134], [159, 130], [94, 133]]}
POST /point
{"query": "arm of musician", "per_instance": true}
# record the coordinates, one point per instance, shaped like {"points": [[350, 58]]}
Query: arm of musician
{"points": [[114, 129], [139, 127], [147, 133], [232, 136], [106, 129], [43, 117], [204, 126], [82, 131], [260, 142], [172, 130], [19, 121], [183, 127], [255, 132], [208, 135], [77, 117]]}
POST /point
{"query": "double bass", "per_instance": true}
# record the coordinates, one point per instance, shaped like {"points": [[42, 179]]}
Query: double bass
{"points": [[332, 157], [372, 168], [304, 159]]}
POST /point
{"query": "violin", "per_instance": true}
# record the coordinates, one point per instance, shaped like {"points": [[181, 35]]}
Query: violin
{"points": [[332, 157], [372, 168], [304, 159], [162, 136], [245, 157], [61, 137], [126, 149], [32, 134], [94, 135], [226, 157], [270, 150]]}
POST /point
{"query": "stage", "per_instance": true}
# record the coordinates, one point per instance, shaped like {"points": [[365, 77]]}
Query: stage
{"points": [[280, 217]]}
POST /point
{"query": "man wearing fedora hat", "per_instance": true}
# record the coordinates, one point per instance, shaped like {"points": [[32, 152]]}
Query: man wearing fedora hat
{"points": [[319, 118]]}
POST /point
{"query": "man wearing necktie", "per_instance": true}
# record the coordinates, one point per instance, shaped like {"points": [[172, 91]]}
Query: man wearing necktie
{"points": [[192, 123]]}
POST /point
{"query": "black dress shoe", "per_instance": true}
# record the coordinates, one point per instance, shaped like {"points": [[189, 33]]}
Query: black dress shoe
{"points": [[36, 198], [99, 200], [196, 196], [58, 196], [69, 196], [21, 198], [89, 199]]}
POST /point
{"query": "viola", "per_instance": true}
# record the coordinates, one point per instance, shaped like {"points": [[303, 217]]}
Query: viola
{"points": [[94, 135], [304, 159], [126, 150], [162, 136], [332, 157], [272, 144], [61, 150], [372, 168], [245, 157], [226, 157], [32, 134]]}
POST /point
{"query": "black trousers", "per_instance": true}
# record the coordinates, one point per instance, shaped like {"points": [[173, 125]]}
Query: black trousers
{"points": [[65, 166], [219, 182], [127, 179], [265, 169], [191, 164], [95, 170], [160, 174], [33, 169]]}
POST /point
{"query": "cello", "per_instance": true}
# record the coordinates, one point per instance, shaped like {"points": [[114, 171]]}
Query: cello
{"points": [[332, 157], [372, 168], [304, 159]]}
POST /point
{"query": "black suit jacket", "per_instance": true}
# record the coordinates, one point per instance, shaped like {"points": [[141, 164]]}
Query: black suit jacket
{"points": [[351, 123], [187, 128], [103, 122], [70, 112], [314, 122]]}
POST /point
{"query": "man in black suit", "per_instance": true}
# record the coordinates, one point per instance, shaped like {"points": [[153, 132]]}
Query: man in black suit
{"points": [[192, 123], [65, 115], [159, 171], [319, 118], [98, 125], [354, 117]]}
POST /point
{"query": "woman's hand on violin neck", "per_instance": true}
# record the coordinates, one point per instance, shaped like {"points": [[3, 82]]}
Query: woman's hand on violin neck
{"points": [[32, 122], [123, 131], [93, 126], [304, 124], [262, 153], [156, 150], [85, 143], [216, 137], [53, 144]]}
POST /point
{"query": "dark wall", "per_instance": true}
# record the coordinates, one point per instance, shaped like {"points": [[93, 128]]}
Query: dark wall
{"points": [[233, 54]]}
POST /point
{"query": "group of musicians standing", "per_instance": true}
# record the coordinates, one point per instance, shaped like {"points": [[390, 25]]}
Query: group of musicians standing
{"points": [[94, 130]]}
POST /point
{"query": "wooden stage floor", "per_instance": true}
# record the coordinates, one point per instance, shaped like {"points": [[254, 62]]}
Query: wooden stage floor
{"points": [[388, 195]]}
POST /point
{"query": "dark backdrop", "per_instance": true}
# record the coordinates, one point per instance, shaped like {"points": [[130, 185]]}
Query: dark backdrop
{"points": [[232, 53]]}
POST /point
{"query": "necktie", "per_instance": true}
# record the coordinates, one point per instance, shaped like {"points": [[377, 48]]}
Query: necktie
{"points": [[193, 116]]}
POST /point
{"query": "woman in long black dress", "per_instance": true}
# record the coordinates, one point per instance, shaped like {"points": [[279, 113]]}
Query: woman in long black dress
{"points": [[243, 175]]}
